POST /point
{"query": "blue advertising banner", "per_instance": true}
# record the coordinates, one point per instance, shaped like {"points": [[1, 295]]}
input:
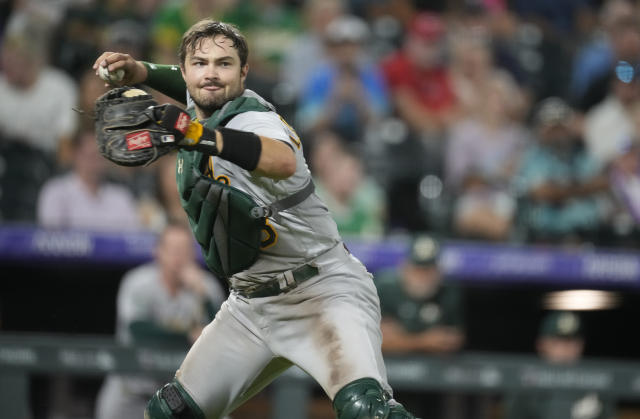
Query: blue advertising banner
{"points": [[463, 261]]}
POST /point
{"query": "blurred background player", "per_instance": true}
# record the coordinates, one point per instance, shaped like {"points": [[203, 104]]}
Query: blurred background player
{"points": [[420, 311], [421, 314], [560, 342], [164, 303]]}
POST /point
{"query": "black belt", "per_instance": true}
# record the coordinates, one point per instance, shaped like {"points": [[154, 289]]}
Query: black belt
{"points": [[287, 281]]}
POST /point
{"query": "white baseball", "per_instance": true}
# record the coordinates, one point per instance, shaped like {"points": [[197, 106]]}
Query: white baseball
{"points": [[108, 76]]}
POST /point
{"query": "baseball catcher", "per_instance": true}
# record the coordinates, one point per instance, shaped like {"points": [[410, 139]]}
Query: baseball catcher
{"points": [[297, 295]]}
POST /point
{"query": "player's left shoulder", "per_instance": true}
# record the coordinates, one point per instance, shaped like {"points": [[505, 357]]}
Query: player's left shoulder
{"points": [[255, 118], [268, 124]]}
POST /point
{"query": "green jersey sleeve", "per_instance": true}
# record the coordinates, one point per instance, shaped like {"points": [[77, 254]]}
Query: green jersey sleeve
{"points": [[166, 79]]}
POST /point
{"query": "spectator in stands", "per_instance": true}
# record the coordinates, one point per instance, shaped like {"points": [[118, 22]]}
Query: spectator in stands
{"points": [[561, 185], [348, 92], [421, 314], [615, 38], [165, 303], [559, 16], [419, 79], [608, 125], [82, 199], [126, 36], [172, 19], [482, 153], [90, 89], [355, 201], [487, 23], [471, 70], [624, 179], [560, 342], [308, 50], [85, 25], [482, 210], [36, 118], [490, 140], [271, 28], [535, 54], [37, 100]]}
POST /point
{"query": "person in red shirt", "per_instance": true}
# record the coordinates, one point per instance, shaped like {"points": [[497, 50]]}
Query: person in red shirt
{"points": [[418, 78]]}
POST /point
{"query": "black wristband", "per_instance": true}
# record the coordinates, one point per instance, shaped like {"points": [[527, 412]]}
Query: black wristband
{"points": [[207, 143], [241, 147]]}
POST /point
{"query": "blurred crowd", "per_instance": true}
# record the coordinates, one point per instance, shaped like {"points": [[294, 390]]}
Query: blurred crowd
{"points": [[495, 120]]}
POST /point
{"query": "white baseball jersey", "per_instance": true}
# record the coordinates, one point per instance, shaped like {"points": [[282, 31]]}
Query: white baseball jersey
{"points": [[329, 325], [303, 231], [142, 297]]}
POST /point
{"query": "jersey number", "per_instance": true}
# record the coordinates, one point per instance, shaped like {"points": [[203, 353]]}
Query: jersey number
{"points": [[270, 236]]}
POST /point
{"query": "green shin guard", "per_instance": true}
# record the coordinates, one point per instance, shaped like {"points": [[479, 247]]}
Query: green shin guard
{"points": [[172, 402], [361, 399], [398, 411]]}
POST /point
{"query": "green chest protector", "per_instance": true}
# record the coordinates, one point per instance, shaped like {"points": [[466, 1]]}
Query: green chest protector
{"points": [[226, 222]]}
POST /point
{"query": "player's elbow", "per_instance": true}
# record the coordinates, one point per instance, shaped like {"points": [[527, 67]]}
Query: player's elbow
{"points": [[290, 165], [279, 168], [287, 166]]}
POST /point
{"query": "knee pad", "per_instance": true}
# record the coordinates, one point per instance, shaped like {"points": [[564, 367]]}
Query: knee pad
{"points": [[361, 399], [172, 402]]}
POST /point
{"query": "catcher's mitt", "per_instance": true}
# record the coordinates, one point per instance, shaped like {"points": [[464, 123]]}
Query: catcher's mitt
{"points": [[127, 130]]}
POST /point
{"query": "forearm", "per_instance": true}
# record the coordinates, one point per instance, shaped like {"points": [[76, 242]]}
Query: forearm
{"points": [[551, 193], [262, 155], [594, 185], [412, 112], [396, 343], [166, 79], [395, 338], [484, 223]]}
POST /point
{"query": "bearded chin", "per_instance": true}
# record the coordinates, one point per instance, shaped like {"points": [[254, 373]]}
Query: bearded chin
{"points": [[210, 105]]}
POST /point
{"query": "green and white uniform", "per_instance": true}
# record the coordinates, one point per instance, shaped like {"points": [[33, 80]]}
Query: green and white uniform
{"points": [[329, 325], [443, 308], [148, 315], [301, 232]]}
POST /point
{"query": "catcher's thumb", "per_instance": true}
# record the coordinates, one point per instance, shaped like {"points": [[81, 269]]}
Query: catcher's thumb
{"points": [[173, 119]]}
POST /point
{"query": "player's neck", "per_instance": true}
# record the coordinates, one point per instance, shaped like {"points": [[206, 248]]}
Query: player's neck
{"points": [[202, 114]]}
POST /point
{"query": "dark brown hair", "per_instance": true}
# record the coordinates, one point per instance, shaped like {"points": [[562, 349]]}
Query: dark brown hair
{"points": [[209, 28]]}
